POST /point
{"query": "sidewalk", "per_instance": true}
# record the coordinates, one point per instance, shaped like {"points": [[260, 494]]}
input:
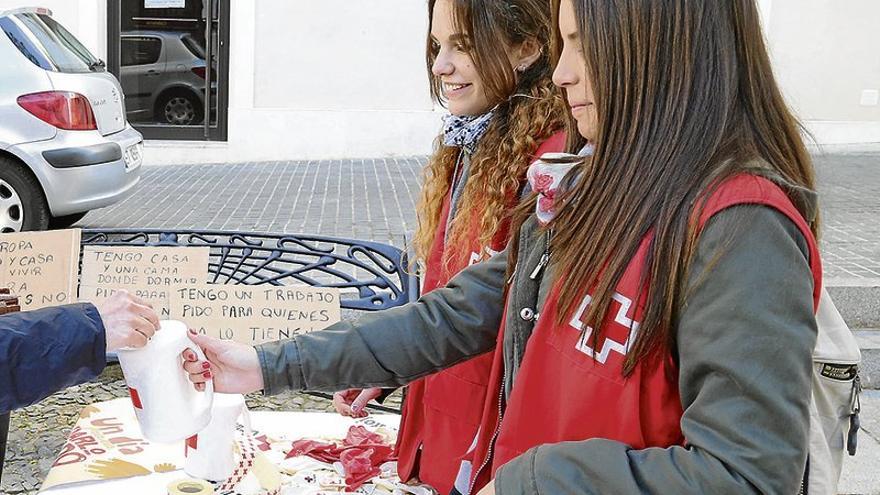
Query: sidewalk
{"points": [[366, 199], [375, 199], [860, 475]]}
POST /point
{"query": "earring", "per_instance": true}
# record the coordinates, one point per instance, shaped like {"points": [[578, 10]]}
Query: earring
{"points": [[521, 67]]}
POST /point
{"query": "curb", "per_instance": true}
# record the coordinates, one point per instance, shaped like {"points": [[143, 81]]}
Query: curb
{"points": [[869, 344], [859, 305]]}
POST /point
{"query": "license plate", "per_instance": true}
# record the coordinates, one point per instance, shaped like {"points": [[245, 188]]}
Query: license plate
{"points": [[133, 156]]}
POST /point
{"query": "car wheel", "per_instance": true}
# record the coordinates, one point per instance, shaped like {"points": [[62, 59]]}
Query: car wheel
{"points": [[22, 203], [65, 221], [180, 108]]}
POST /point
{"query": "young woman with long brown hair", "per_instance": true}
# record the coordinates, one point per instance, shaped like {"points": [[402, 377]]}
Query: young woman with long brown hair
{"points": [[489, 64], [653, 323]]}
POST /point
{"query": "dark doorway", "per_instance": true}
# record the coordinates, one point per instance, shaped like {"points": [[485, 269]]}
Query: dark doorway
{"points": [[172, 59]]}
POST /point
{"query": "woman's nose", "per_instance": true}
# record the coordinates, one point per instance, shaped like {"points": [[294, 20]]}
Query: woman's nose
{"points": [[562, 77], [442, 66]]}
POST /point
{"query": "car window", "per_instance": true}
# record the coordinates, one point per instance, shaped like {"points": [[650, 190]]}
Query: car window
{"points": [[24, 43], [141, 50], [58, 48], [193, 45]]}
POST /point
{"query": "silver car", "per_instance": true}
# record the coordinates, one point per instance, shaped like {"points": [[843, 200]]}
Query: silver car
{"points": [[163, 74], [65, 144]]}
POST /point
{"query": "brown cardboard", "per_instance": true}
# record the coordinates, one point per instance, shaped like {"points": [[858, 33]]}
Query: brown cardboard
{"points": [[40, 267], [156, 297], [255, 314], [147, 272]]}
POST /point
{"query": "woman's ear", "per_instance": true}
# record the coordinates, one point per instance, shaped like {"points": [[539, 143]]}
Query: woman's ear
{"points": [[528, 52]]}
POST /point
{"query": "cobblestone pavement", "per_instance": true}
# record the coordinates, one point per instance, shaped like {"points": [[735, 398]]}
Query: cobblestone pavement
{"points": [[375, 199], [367, 199], [849, 188], [362, 199]]}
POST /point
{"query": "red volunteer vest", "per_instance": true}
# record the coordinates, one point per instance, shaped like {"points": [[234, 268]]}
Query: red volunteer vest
{"points": [[567, 389], [442, 411]]}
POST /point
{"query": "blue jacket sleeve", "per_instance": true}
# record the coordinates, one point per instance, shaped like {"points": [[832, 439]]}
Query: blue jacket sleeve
{"points": [[45, 350]]}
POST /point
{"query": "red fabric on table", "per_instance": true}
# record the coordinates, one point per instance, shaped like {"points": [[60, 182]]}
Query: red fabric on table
{"points": [[361, 454], [324, 452]]}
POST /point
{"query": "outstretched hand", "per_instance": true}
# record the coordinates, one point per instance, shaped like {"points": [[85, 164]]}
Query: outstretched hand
{"points": [[234, 368], [128, 321], [353, 402]]}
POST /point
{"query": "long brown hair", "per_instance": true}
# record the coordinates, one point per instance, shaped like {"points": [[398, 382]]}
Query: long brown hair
{"points": [[529, 110], [685, 97]]}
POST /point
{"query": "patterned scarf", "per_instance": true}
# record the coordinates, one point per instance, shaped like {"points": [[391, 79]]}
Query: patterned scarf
{"points": [[465, 131], [545, 176]]}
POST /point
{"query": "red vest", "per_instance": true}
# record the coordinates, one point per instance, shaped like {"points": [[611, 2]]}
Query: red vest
{"points": [[567, 389], [442, 411]]}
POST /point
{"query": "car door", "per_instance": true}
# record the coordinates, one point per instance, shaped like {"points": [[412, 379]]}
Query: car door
{"points": [[142, 68]]}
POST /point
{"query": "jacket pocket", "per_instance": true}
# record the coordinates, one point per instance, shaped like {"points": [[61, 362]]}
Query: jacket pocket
{"points": [[460, 391]]}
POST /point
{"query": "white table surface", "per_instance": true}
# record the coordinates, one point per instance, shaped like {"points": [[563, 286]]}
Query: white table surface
{"points": [[289, 425]]}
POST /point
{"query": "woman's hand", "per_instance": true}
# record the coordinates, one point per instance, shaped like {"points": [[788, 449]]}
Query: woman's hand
{"points": [[353, 402], [128, 321], [234, 368]]}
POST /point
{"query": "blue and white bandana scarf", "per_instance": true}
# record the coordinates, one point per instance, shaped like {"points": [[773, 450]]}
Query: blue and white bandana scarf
{"points": [[465, 131]]}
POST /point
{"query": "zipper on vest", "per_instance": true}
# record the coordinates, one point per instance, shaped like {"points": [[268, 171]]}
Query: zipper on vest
{"points": [[488, 458], [545, 258]]}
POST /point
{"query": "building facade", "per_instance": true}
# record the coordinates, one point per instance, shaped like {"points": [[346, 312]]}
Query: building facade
{"points": [[309, 79]]}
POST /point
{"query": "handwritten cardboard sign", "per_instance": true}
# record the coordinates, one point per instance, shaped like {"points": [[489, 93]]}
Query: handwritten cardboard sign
{"points": [[255, 314], [147, 272], [156, 297], [40, 267]]}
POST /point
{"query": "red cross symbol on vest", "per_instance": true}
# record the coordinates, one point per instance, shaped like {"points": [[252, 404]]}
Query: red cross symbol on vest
{"points": [[620, 332]]}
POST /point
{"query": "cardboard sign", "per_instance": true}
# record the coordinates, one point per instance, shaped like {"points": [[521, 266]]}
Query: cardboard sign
{"points": [[121, 266], [156, 297], [147, 272], [255, 314], [40, 267]]}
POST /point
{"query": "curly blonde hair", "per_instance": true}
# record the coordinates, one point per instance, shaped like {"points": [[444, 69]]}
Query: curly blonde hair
{"points": [[529, 111]]}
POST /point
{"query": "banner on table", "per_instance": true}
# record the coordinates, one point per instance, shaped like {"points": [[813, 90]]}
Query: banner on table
{"points": [[107, 443]]}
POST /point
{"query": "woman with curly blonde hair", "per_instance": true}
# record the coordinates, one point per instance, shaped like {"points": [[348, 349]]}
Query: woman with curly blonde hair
{"points": [[489, 65]]}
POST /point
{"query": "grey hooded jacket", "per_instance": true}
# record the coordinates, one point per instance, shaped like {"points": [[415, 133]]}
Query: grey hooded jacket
{"points": [[744, 343]]}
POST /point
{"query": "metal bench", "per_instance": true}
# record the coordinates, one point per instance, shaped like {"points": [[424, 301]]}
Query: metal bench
{"points": [[371, 276]]}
